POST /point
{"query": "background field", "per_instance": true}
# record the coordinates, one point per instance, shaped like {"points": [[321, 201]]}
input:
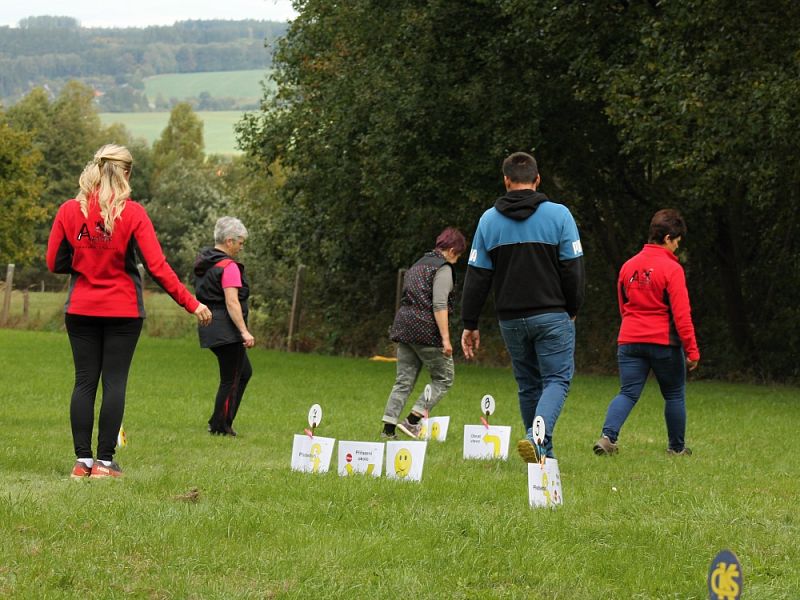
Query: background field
{"points": [[218, 127], [258, 530], [244, 85]]}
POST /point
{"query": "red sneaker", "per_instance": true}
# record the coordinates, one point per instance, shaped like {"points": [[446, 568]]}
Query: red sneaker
{"points": [[100, 470], [80, 470]]}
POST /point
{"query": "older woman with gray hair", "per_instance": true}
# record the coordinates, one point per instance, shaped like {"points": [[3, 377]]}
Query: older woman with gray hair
{"points": [[221, 284]]}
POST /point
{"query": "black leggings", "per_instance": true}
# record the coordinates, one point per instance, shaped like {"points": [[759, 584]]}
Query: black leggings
{"points": [[100, 346], [234, 373]]}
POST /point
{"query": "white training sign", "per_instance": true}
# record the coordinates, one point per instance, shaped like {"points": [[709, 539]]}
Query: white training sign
{"points": [[364, 458], [405, 460], [486, 442], [434, 428], [312, 454], [544, 484]]}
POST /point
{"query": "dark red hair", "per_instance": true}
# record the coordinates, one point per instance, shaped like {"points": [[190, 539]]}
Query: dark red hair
{"points": [[451, 238]]}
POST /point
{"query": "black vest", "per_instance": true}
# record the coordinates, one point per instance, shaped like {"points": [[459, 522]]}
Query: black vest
{"points": [[208, 268], [414, 322]]}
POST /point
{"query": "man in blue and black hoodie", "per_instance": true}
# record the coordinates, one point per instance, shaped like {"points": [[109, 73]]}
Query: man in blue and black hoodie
{"points": [[528, 249]]}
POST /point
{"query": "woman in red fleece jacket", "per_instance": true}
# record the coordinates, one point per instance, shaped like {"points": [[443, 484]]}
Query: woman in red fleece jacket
{"points": [[656, 333], [95, 238]]}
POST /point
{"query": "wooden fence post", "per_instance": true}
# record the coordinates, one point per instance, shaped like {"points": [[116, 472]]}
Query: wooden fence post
{"points": [[401, 275], [7, 297], [294, 317], [25, 303]]}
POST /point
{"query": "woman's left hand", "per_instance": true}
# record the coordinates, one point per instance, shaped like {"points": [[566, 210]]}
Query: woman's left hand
{"points": [[248, 340]]}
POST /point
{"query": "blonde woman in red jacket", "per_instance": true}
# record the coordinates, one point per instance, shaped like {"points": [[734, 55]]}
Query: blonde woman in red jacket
{"points": [[95, 238], [656, 334]]}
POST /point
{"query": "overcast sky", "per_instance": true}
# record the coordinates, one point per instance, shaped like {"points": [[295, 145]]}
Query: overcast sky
{"points": [[140, 13]]}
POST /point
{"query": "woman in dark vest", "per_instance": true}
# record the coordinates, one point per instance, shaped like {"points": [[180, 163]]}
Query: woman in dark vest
{"points": [[421, 330], [222, 285]]}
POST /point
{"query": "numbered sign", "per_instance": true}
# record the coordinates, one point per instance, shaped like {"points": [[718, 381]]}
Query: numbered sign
{"points": [[312, 455], [314, 416], [405, 460], [538, 431], [434, 428], [486, 442], [487, 405], [544, 484], [725, 578], [360, 458]]}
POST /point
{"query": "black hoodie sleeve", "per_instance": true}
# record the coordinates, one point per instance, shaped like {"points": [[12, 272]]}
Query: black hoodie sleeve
{"points": [[477, 284], [573, 283]]}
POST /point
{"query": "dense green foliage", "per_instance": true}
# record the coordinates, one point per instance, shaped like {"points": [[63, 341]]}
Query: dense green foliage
{"points": [[393, 122], [54, 50], [638, 525]]}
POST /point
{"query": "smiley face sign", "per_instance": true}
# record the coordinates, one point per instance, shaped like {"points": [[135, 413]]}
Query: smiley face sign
{"points": [[402, 463], [405, 460]]}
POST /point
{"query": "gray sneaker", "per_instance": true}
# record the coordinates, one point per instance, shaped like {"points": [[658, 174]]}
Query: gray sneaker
{"points": [[685, 452], [388, 436], [409, 429], [605, 446]]}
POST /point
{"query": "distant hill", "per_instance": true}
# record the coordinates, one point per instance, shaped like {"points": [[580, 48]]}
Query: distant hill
{"points": [[53, 50]]}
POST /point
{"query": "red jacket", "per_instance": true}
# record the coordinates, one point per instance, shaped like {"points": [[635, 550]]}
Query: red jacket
{"points": [[105, 281], [654, 302]]}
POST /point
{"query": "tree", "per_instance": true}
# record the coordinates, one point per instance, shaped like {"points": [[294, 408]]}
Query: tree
{"points": [[186, 194], [392, 123], [182, 139], [20, 187]]}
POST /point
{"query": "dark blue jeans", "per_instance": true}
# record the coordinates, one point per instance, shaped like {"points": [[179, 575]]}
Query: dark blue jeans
{"points": [[635, 363], [542, 350]]}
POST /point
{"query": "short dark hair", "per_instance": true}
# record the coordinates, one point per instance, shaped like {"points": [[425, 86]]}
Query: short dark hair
{"points": [[666, 222], [521, 167], [451, 238]]}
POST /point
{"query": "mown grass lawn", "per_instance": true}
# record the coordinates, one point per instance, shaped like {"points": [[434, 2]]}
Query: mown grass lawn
{"points": [[259, 530]]}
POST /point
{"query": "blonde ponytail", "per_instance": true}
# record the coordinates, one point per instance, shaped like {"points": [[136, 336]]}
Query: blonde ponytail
{"points": [[105, 181]]}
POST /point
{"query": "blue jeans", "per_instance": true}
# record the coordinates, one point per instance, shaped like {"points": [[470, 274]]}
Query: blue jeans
{"points": [[542, 350], [669, 366]]}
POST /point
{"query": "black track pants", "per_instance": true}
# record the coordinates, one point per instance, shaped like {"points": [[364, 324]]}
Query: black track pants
{"points": [[100, 346], [234, 373]]}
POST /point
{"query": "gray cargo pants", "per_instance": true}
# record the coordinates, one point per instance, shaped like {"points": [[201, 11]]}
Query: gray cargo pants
{"points": [[410, 358]]}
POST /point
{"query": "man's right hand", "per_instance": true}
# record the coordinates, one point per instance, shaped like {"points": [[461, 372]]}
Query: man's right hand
{"points": [[470, 342]]}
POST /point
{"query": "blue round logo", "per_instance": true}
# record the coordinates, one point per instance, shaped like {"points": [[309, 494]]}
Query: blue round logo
{"points": [[725, 577]]}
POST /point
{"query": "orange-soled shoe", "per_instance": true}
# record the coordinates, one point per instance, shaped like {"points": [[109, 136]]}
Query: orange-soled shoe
{"points": [[100, 470], [80, 470]]}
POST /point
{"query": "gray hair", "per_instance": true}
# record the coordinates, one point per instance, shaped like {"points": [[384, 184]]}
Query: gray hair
{"points": [[228, 228]]}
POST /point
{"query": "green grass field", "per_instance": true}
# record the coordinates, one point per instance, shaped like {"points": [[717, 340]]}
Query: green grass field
{"points": [[218, 133], [259, 530], [244, 85]]}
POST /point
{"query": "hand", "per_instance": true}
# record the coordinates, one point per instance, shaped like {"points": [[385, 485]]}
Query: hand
{"points": [[248, 340], [203, 314], [447, 348], [470, 341], [692, 364]]}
